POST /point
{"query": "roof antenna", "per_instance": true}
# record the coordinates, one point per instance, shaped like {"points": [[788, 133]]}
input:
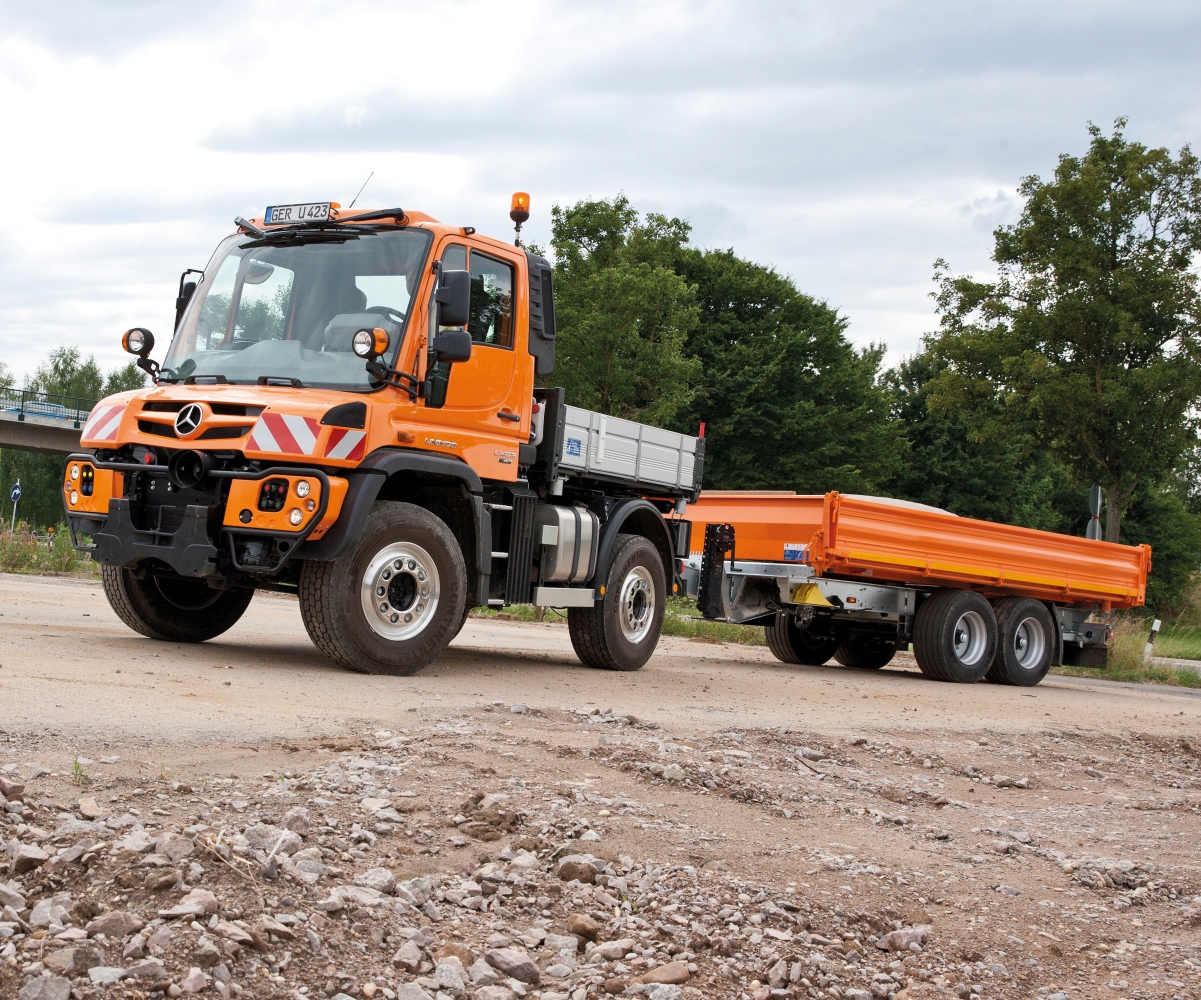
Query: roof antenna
{"points": [[361, 190]]}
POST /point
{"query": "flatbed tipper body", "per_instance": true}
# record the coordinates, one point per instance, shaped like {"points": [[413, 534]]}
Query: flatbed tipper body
{"points": [[881, 539], [857, 578]]}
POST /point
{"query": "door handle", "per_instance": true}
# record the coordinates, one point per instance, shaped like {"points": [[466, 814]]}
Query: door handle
{"points": [[506, 415]]}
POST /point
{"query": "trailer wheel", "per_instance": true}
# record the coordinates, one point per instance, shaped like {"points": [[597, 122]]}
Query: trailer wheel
{"points": [[621, 630], [174, 610], [793, 644], [391, 603], [1025, 632], [954, 635], [865, 652]]}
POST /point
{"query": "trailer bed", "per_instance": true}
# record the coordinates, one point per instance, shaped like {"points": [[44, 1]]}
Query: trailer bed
{"points": [[893, 541]]}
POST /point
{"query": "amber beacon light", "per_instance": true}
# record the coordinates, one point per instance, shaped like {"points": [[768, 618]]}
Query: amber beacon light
{"points": [[519, 212]]}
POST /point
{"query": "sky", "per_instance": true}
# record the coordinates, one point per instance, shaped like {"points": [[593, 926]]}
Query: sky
{"points": [[849, 144]]}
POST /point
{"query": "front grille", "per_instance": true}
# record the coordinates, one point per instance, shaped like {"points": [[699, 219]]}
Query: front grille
{"points": [[162, 430], [219, 409], [214, 433]]}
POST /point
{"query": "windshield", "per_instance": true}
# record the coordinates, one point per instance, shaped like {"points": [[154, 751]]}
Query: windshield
{"points": [[291, 311]]}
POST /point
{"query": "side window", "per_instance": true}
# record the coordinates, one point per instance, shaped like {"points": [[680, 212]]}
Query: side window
{"points": [[491, 301], [210, 328], [454, 257]]}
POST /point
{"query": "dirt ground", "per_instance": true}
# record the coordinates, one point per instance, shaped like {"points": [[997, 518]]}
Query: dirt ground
{"points": [[1029, 842]]}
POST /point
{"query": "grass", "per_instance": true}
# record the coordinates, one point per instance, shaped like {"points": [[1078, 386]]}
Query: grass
{"points": [[23, 552], [681, 618]]}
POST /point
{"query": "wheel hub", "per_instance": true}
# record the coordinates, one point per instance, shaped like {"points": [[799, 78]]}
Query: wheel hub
{"points": [[400, 590], [636, 604], [1029, 643], [970, 638]]}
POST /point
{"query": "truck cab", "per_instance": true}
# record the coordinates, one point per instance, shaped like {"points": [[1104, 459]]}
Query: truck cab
{"points": [[347, 411]]}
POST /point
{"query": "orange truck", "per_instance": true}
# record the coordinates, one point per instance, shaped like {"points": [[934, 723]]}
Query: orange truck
{"points": [[347, 412], [857, 578]]}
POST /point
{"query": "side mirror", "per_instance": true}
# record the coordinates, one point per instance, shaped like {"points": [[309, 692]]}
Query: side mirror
{"points": [[454, 298], [186, 290], [452, 346]]}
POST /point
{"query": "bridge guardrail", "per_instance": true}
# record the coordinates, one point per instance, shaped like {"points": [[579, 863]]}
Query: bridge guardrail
{"points": [[71, 410]]}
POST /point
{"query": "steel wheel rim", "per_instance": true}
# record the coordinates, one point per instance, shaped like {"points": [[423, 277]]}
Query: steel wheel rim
{"points": [[400, 591], [970, 638], [636, 604], [1029, 643]]}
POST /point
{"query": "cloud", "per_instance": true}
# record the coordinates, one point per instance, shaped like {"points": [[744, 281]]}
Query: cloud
{"points": [[848, 145]]}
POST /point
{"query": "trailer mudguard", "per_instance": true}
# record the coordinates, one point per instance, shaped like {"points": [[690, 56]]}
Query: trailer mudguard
{"points": [[635, 517], [364, 487]]}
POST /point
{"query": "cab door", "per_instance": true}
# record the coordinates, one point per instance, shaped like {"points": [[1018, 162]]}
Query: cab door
{"points": [[487, 395]]}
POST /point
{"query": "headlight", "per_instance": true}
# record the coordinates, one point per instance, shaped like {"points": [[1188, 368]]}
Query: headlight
{"points": [[302, 488], [75, 472], [74, 498], [295, 516]]}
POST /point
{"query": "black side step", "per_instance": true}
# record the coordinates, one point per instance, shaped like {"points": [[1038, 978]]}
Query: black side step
{"points": [[719, 539]]}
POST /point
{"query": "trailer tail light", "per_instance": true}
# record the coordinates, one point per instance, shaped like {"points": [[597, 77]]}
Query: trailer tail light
{"points": [[87, 480]]}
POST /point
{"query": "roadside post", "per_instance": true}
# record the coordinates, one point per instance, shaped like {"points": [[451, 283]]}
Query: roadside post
{"points": [[1151, 639], [14, 495]]}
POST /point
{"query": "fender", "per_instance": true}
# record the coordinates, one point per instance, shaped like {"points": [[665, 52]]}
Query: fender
{"points": [[368, 479], [637, 517]]}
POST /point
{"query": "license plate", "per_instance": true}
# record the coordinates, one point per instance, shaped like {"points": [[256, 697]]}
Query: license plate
{"points": [[278, 215]]}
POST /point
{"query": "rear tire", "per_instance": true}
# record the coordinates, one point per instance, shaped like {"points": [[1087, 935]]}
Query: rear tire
{"points": [[171, 609], [793, 644], [954, 636], [1025, 633], [621, 630], [865, 652], [391, 603]]}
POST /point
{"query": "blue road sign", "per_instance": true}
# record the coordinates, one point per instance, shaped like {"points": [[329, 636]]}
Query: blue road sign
{"points": [[15, 493]]}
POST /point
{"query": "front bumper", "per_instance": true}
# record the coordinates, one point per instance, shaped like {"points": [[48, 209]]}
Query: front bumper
{"points": [[196, 546]]}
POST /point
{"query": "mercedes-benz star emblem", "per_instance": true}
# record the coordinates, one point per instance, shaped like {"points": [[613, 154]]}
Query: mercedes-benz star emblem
{"points": [[188, 419]]}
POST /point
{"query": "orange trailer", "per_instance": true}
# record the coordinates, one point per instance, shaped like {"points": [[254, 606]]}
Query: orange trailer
{"points": [[857, 577]]}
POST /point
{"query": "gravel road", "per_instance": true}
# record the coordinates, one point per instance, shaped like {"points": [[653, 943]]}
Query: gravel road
{"points": [[737, 827]]}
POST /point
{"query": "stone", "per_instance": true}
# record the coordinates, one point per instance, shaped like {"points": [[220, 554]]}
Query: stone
{"points": [[296, 819], [673, 772], [232, 932], [114, 924], [11, 895], [515, 964], [582, 926], [105, 975], [72, 962], [853, 993], [663, 991], [615, 985], [482, 974], [174, 847], [46, 988], [206, 954], [450, 975], [676, 972], [558, 943], [27, 858], [159, 941], [454, 950], [777, 975], [48, 911], [1001, 781], [194, 981], [410, 991], [89, 808], [902, 939], [135, 948], [495, 993], [894, 794], [12, 790], [197, 903], [589, 835], [380, 879], [613, 950], [408, 957], [573, 871], [150, 969], [138, 841], [160, 881]]}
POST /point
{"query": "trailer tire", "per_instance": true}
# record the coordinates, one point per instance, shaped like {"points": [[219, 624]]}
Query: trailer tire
{"points": [[621, 630], [1025, 633], [404, 550], [793, 644], [865, 652], [954, 636], [171, 609]]}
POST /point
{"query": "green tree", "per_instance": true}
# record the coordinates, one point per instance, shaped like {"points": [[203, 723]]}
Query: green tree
{"points": [[788, 403], [1089, 340], [1009, 480], [1161, 518], [622, 313], [124, 379]]}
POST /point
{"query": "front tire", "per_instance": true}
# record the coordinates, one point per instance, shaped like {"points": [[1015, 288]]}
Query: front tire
{"points": [[954, 636], [171, 609], [1025, 633], [392, 603], [792, 644], [865, 652], [621, 630]]}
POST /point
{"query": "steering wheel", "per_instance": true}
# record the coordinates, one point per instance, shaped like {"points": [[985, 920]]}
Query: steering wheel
{"points": [[387, 311]]}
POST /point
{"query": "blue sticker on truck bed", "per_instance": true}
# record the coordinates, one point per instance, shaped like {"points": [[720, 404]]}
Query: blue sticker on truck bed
{"points": [[795, 552], [575, 446]]}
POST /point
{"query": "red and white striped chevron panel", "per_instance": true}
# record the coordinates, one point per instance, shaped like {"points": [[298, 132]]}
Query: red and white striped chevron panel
{"points": [[103, 423], [284, 434], [345, 444]]}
